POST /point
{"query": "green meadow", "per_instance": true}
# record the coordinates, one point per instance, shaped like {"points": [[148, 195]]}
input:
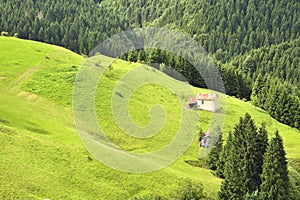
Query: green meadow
{"points": [[42, 155]]}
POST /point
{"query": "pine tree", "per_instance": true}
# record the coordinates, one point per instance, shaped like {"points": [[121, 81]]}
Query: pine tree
{"points": [[262, 140], [233, 186], [275, 180], [256, 91], [243, 161], [250, 149], [223, 156], [141, 55]]}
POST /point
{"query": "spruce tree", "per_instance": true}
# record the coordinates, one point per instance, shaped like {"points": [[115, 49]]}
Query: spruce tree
{"points": [[250, 151], [233, 185], [262, 140], [243, 162], [223, 156], [256, 96], [275, 180]]}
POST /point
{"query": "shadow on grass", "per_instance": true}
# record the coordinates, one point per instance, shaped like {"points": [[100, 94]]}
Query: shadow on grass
{"points": [[7, 131], [197, 163], [37, 130]]}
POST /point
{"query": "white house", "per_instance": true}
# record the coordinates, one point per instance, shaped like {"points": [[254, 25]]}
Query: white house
{"points": [[207, 102]]}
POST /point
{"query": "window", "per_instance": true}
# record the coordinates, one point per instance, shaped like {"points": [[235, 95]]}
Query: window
{"points": [[202, 102]]}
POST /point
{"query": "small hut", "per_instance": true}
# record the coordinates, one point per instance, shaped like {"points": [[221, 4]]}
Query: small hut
{"points": [[207, 102], [205, 140], [192, 101]]}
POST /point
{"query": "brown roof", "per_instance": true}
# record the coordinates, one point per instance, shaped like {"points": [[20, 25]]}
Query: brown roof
{"points": [[206, 96], [207, 135]]}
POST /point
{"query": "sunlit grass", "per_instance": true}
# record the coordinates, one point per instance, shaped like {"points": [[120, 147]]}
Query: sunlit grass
{"points": [[41, 154]]}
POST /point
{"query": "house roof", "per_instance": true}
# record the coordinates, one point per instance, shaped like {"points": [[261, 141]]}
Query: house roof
{"points": [[207, 135], [192, 100], [207, 97]]}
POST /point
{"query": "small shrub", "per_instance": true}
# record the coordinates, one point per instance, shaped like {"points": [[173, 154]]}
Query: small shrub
{"points": [[188, 190], [149, 198], [6, 131], [109, 75]]}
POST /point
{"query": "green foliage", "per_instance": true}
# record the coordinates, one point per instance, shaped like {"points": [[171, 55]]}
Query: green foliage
{"points": [[251, 37], [276, 86], [187, 190], [243, 163], [223, 156], [233, 23], [275, 180], [147, 197], [236, 83], [262, 144], [56, 22], [254, 196], [294, 190], [256, 96]]}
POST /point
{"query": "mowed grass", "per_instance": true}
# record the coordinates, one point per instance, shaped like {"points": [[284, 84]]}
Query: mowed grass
{"points": [[42, 155]]}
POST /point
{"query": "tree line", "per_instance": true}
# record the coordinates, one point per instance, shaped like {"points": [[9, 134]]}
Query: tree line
{"points": [[224, 28], [236, 83], [276, 72], [246, 38], [252, 167]]}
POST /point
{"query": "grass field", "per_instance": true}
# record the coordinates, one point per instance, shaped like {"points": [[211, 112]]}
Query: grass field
{"points": [[41, 154]]}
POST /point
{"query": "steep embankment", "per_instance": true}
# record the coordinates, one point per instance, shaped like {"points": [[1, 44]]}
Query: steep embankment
{"points": [[41, 153]]}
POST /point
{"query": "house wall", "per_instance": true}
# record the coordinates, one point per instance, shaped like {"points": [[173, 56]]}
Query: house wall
{"points": [[207, 105]]}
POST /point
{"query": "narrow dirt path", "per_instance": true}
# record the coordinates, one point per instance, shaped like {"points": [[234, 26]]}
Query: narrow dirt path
{"points": [[17, 83]]}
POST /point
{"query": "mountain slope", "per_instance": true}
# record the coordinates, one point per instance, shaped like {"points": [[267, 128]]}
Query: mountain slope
{"points": [[42, 155]]}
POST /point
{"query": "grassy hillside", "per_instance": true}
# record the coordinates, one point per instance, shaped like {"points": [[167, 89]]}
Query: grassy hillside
{"points": [[42, 155]]}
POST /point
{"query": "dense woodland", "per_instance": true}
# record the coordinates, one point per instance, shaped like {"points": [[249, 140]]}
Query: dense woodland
{"points": [[245, 37], [252, 166], [275, 73]]}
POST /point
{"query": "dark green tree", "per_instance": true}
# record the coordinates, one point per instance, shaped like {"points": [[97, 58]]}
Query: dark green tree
{"points": [[254, 196], [223, 156], [256, 96], [262, 141], [275, 180], [233, 186], [242, 168]]}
